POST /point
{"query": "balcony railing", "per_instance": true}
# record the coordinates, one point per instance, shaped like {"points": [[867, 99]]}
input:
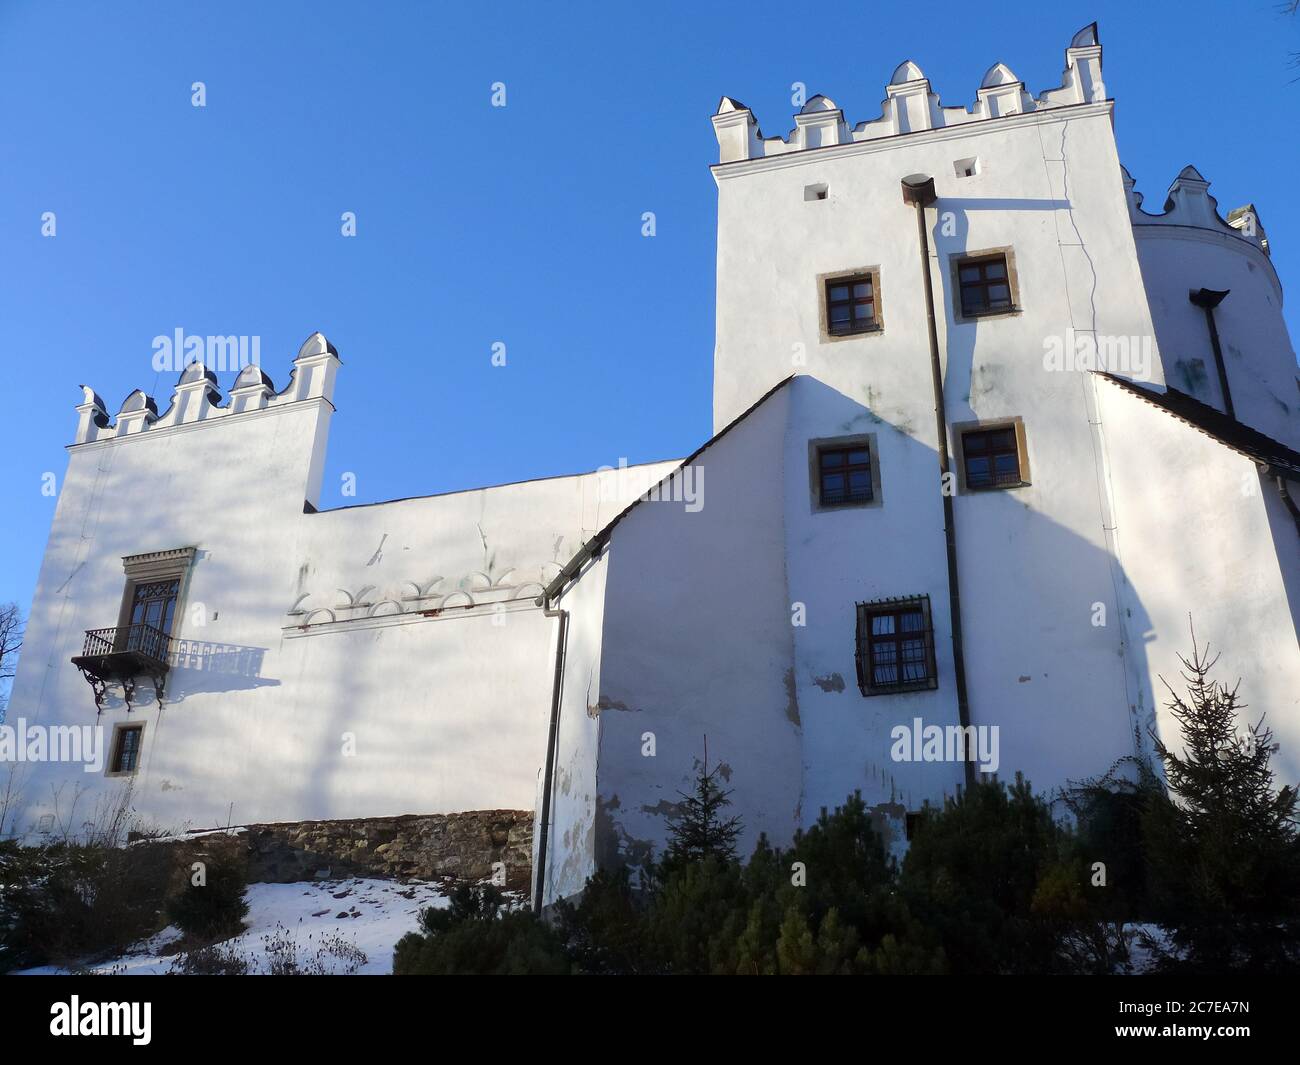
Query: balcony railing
{"points": [[137, 639], [122, 654]]}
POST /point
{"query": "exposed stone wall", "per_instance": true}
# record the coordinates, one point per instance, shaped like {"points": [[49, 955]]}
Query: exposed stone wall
{"points": [[410, 846]]}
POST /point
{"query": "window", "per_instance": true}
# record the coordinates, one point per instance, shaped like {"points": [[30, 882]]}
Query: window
{"points": [[985, 284], [966, 167], [852, 304], [154, 604], [154, 583], [993, 456], [843, 472], [895, 650], [812, 193], [126, 749], [845, 475]]}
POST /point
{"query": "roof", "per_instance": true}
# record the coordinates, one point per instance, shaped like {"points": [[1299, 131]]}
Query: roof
{"points": [[573, 567], [1215, 424]]}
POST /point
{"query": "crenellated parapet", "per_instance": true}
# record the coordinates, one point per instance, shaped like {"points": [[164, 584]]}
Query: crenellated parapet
{"points": [[197, 398], [1189, 203], [911, 106]]}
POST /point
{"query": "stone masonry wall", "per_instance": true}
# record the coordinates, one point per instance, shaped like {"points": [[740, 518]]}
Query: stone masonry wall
{"points": [[461, 846]]}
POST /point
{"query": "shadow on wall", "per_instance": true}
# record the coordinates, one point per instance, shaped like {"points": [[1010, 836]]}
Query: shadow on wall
{"points": [[196, 667], [202, 666], [1039, 666]]}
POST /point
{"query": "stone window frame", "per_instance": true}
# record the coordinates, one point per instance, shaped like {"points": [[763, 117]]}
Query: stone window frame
{"points": [[959, 431], [113, 748], [815, 447], [174, 564], [955, 262], [823, 318]]}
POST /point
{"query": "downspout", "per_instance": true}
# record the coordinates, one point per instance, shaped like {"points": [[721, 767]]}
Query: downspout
{"points": [[544, 819], [1207, 299], [1280, 478], [918, 190]]}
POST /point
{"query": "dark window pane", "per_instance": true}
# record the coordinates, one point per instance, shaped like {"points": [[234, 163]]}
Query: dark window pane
{"points": [[970, 273], [862, 290], [999, 294], [831, 459], [995, 269], [839, 292]]}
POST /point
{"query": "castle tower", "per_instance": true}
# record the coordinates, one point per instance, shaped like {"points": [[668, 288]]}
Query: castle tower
{"points": [[1216, 301]]}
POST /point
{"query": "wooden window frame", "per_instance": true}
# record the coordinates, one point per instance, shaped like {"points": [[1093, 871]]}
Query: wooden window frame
{"points": [[859, 441], [849, 277], [115, 749], [961, 430], [981, 258], [866, 643]]}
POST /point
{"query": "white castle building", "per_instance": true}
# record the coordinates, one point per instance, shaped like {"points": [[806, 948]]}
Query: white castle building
{"points": [[1114, 451]]}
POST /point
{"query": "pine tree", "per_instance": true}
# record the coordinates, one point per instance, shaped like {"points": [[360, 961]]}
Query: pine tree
{"points": [[1225, 851], [700, 830]]}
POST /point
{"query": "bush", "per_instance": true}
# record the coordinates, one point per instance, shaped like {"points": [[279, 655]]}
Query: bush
{"points": [[974, 870], [215, 908], [475, 935], [711, 914], [63, 904]]}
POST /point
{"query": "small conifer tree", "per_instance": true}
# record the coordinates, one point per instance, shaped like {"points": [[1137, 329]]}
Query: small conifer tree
{"points": [[701, 830], [1224, 847]]}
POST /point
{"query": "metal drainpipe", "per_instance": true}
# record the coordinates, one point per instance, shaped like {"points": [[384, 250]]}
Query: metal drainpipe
{"points": [[918, 190], [544, 820], [1207, 299], [1286, 498]]}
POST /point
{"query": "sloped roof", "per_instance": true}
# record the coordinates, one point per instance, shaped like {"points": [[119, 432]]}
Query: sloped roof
{"points": [[1214, 423], [591, 547]]}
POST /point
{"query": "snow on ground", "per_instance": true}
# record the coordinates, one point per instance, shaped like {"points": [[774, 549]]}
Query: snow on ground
{"points": [[371, 915]]}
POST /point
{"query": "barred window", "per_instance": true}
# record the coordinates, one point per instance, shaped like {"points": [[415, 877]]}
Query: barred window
{"points": [[895, 646]]}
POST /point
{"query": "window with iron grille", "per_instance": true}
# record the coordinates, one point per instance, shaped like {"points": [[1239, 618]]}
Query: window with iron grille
{"points": [[985, 285], [991, 458], [844, 475], [126, 749], [895, 651], [851, 304]]}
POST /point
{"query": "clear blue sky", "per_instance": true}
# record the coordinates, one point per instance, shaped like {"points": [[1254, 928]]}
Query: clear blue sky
{"points": [[478, 224]]}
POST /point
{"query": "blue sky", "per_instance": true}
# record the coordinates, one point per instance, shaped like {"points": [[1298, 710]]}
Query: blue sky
{"points": [[478, 224]]}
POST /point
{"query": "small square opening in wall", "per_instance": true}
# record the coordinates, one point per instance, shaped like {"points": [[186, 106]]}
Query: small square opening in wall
{"points": [[815, 192], [967, 167]]}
